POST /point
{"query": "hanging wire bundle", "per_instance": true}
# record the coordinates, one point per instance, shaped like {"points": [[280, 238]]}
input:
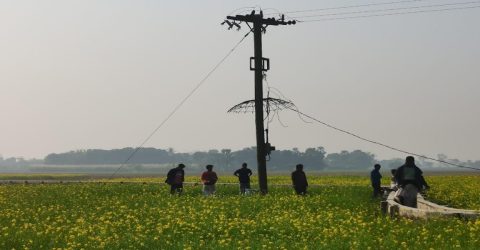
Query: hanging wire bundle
{"points": [[270, 104]]}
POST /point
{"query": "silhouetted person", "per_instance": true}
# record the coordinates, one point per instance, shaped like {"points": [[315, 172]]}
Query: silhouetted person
{"points": [[243, 175], [209, 178], [410, 179], [376, 179], [175, 178], [299, 180]]}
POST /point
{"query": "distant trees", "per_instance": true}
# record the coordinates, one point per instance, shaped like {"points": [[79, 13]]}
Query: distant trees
{"points": [[12, 161], [227, 154], [114, 156], [345, 160], [17, 162], [226, 160], [392, 163], [287, 159]]}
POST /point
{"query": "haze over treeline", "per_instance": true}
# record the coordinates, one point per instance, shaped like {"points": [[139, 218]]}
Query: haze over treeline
{"points": [[224, 160], [103, 74]]}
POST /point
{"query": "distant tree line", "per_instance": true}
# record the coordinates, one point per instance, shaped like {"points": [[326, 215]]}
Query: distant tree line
{"points": [[225, 159], [18, 162]]}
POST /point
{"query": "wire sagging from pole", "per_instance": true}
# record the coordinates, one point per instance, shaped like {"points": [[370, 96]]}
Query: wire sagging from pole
{"points": [[379, 143], [179, 105]]}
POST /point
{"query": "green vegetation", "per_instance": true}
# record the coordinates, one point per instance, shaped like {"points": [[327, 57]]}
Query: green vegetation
{"points": [[339, 214], [43, 176]]}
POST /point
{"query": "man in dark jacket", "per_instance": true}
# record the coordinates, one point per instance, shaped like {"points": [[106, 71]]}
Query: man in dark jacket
{"points": [[175, 178], [243, 175], [299, 180], [410, 178], [409, 173], [376, 179]]}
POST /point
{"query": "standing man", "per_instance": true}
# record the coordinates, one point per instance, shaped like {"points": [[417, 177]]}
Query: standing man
{"points": [[299, 180], [209, 178], [376, 179], [175, 178], [243, 175]]}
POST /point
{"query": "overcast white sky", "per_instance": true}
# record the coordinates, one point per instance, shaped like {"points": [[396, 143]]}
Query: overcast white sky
{"points": [[104, 74]]}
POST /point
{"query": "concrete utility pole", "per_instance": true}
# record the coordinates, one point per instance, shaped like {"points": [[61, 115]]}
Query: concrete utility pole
{"points": [[259, 65]]}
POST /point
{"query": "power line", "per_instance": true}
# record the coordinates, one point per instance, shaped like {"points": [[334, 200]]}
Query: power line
{"points": [[379, 143], [355, 6], [388, 14], [386, 10], [199, 84], [281, 96], [243, 9]]}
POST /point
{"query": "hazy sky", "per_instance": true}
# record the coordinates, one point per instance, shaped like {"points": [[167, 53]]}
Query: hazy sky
{"points": [[104, 74]]}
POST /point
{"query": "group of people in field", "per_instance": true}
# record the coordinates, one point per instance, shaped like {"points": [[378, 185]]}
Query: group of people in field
{"points": [[176, 178], [407, 181]]}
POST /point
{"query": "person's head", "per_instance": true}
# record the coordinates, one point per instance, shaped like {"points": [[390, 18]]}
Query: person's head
{"points": [[377, 166], [244, 165], [409, 161], [181, 166], [299, 167], [393, 171], [209, 167]]}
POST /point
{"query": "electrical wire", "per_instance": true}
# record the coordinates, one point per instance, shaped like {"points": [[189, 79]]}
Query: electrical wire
{"points": [[295, 109], [242, 9], [387, 10], [199, 84], [282, 96], [354, 6], [379, 143], [279, 120], [387, 14]]}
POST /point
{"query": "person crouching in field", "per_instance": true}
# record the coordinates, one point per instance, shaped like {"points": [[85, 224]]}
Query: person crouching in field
{"points": [[299, 180], [410, 179], [209, 178], [376, 179], [175, 178], [243, 175]]}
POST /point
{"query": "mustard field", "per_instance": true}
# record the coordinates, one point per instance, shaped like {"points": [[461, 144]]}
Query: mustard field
{"points": [[338, 213]]}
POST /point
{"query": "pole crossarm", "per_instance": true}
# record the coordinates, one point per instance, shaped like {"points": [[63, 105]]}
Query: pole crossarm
{"points": [[259, 18], [255, 19]]}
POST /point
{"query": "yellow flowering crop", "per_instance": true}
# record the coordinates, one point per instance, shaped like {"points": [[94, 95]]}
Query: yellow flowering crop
{"points": [[338, 213]]}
